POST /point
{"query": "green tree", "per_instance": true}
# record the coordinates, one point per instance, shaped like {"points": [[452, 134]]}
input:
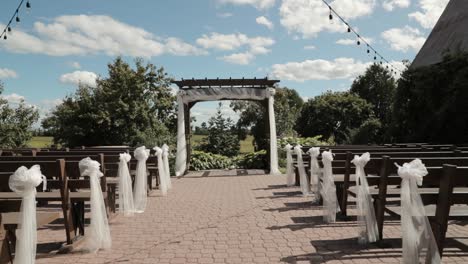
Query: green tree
{"points": [[431, 103], [130, 107], [16, 122], [287, 107], [222, 137], [333, 115]]}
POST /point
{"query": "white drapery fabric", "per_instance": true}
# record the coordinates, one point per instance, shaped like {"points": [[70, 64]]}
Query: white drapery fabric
{"points": [[141, 179], [165, 149], [98, 234], [126, 205], [418, 240], [290, 177], [24, 183], [304, 181], [270, 93], [162, 171], [328, 190], [315, 171], [181, 158], [368, 232]]}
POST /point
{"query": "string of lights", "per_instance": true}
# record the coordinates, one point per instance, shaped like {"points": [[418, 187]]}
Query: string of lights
{"points": [[15, 17], [377, 55]]}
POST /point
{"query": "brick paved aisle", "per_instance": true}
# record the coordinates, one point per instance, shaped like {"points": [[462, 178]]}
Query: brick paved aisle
{"points": [[233, 219]]}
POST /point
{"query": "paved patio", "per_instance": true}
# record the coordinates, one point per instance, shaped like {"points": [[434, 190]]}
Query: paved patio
{"points": [[235, 217]]}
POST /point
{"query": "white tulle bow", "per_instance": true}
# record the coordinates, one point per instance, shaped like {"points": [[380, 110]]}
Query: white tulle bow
{"points": [[304, 181], [98, 234], [126, 205], [162, 171], [419, 244], [314, 171], [24, 183], [290, 177], [328, 190], [368, 232], [141, 179], [165, 149]]}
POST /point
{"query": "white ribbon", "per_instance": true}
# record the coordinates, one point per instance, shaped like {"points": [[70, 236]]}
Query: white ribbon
{"points": [[98, 234], [270, 94], [141, 179], [418, 240], [181, 158], [305, 186], [290, 177], [162, 171], [24, 183], [126, 205], [165, 156], [328, 191], [368, 232], [315, 171]]}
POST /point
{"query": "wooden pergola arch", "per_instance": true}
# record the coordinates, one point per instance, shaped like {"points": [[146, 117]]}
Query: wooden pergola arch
{"points": [[192, 91]]}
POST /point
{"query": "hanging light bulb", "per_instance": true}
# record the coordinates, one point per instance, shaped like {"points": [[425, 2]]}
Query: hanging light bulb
{"points": [[330, 16], [349, 29], [375, 57], [358, 42], [17, 19], [28, 5], [5, 37], [9, 29]]}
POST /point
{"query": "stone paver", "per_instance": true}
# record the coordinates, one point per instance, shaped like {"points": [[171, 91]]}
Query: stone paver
{"points": [[212, 218]]}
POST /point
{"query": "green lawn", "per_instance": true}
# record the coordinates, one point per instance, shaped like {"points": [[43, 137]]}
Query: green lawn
{"points": [[40, 142], [246, 145]]}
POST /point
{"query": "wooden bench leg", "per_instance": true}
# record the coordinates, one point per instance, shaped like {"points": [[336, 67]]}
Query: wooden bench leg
{"points": [[296, 172]]}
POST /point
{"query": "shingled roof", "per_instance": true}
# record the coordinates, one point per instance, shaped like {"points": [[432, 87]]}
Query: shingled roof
{"points": [[450, 35]]}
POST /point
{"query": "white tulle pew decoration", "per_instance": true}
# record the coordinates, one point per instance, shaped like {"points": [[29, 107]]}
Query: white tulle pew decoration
{"points": [[290, 176], [419, 244], [141, 179], [328, 190], [162, 171], [24, 183], [315, 171], [368, 232], [165, 156], [304, 181], [98, 233], [126, 205]]}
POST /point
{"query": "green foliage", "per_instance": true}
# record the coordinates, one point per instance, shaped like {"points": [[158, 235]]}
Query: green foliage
{"points": [[200, 160], [431, 103], [254, 160], [16, 122], [287, 107], [368, 132], [308, 141], [222, 137], [332, 115], [130, 107]]}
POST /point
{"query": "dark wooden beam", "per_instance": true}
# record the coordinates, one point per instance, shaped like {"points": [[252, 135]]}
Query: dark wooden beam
{"points": [[248, 83]]}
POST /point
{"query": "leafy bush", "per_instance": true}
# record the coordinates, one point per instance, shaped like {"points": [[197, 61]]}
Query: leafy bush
{"points": [[254, 160], [369, 132], [200, 160], [307, 141]]}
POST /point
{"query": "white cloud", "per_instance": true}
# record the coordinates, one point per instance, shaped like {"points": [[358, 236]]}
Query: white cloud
{"points": [[259, 4], [404, 39], [310, 47], [339, 68], [224, 15], [75, 65], [310, 17], [389, 5], [13, 98], [79, 77], [348, 42], [7, 73], [261, 20], [431, 11], [229, 42], [93, 34]]}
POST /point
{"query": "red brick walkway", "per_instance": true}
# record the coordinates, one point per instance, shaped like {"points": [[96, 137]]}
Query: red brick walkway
{"points": [[211, 218]]}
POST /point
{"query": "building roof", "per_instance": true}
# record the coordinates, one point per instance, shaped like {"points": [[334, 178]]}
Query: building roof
{"points": [[449, 35]]}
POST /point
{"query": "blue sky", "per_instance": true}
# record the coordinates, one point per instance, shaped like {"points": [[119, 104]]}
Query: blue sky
{"points": [[61, 43]]}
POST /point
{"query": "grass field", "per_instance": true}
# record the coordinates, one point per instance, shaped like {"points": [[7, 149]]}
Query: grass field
{"points": [[246, 145], [40, 142]]}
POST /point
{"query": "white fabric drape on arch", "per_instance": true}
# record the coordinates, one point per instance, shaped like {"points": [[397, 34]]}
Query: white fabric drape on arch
{"points": [[315, 171], [270, 93], [98, 234], [418, 239], [141, 179], [368, 232], [126, 205], [304, 181], [24, 183], [162, 171], [328, 190], [181, 158], [290, 176], [165, 149]]}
